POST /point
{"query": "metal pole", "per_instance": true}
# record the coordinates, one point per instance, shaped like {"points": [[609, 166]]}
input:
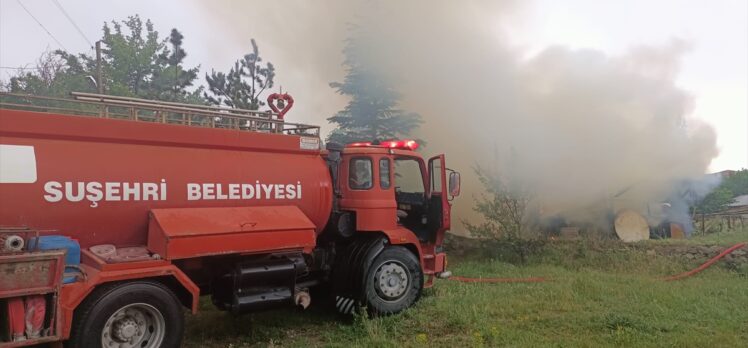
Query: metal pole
{"points": [[176, 72], [703, 221], [99, 80]]}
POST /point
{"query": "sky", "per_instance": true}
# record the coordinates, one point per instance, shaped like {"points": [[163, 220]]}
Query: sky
{"points": [[714, 69]]}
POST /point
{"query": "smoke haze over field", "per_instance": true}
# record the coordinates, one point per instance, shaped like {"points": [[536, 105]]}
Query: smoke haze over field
{"points": [[582, 125]]}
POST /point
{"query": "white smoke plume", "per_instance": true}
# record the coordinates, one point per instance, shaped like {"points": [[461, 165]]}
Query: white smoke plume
{"points": [[585, 126]]}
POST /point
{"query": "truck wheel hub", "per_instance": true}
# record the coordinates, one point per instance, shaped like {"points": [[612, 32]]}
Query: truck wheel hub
{"points": [[135, 325], [392, 280], [126, 329]]}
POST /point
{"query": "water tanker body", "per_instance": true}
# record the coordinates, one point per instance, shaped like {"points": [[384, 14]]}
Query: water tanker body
{"points": [[118, 212], [97, 179]]}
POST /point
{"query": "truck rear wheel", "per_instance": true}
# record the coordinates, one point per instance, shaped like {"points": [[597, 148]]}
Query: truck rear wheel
{"points": [[136, 314], [394, 281]]}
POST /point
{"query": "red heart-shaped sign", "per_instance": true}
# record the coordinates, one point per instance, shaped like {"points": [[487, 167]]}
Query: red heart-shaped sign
{"points": [[272, 100]]}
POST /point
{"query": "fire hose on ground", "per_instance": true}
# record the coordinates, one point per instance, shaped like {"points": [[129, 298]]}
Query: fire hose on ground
{"points": [[683, 275]]}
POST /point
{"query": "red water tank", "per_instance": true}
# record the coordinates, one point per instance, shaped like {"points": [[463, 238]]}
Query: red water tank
{"points": [[96, 179]]}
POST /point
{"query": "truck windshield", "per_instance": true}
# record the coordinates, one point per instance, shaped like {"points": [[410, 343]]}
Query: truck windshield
{"points": [[408, 178], [410, 194]]}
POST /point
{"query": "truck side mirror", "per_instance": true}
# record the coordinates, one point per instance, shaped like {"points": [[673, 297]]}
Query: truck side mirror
{"points": [[454, 184]]}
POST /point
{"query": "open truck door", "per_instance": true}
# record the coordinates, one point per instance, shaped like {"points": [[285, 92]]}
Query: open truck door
{"points": [[438, 211]]}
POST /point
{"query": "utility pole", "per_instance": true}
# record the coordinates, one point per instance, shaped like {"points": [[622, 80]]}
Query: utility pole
{"points": [[99, 80], [176, 70]]}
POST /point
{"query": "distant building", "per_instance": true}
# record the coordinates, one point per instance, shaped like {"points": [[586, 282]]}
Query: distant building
{"points": [[738, 206], [725, 173], [740, 201]]}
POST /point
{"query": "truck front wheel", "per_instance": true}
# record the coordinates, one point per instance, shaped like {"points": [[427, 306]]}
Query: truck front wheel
{"points": [[394, 281], [135, 314]]}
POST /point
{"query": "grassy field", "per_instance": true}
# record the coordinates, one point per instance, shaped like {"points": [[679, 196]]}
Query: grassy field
{"points": [[600, 294]]}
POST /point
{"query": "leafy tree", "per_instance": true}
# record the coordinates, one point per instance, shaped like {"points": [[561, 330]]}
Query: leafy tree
{"points": [[138, 63], [243, 85], [507, 211], [504, 207], [715, 201], [724, 194], [135, 63], [56, 74], [371, 113], [737, 183], [130, 59]]}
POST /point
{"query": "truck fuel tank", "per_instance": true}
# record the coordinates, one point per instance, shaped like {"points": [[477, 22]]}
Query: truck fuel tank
{"points": [[259, 285]]}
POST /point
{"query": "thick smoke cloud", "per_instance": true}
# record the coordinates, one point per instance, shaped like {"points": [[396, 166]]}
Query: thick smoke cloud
{"points": [[586, 129]]}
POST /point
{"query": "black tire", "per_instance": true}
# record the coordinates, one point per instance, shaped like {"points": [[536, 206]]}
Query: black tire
{"points": [[385, 300], [91, 317]]}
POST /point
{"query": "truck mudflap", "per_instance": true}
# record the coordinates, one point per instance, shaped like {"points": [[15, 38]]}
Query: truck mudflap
{"points": [[72, 295]]}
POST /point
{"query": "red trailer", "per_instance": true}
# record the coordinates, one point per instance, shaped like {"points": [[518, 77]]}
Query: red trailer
{"points": [[169, 202]]}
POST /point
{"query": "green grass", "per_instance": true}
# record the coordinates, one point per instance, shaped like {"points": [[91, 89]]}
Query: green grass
{"points": [[600, 295]]}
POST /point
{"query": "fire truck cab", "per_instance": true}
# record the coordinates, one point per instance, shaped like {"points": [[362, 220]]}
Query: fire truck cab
{"points": [[389, 195]]}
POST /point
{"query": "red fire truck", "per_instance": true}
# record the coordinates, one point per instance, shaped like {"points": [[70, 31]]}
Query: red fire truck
{"points": [[117, 213]]}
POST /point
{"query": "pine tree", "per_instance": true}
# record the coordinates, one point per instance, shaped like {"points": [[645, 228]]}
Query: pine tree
{"points": [[371, 113], [243, 85], [170, 78]]}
